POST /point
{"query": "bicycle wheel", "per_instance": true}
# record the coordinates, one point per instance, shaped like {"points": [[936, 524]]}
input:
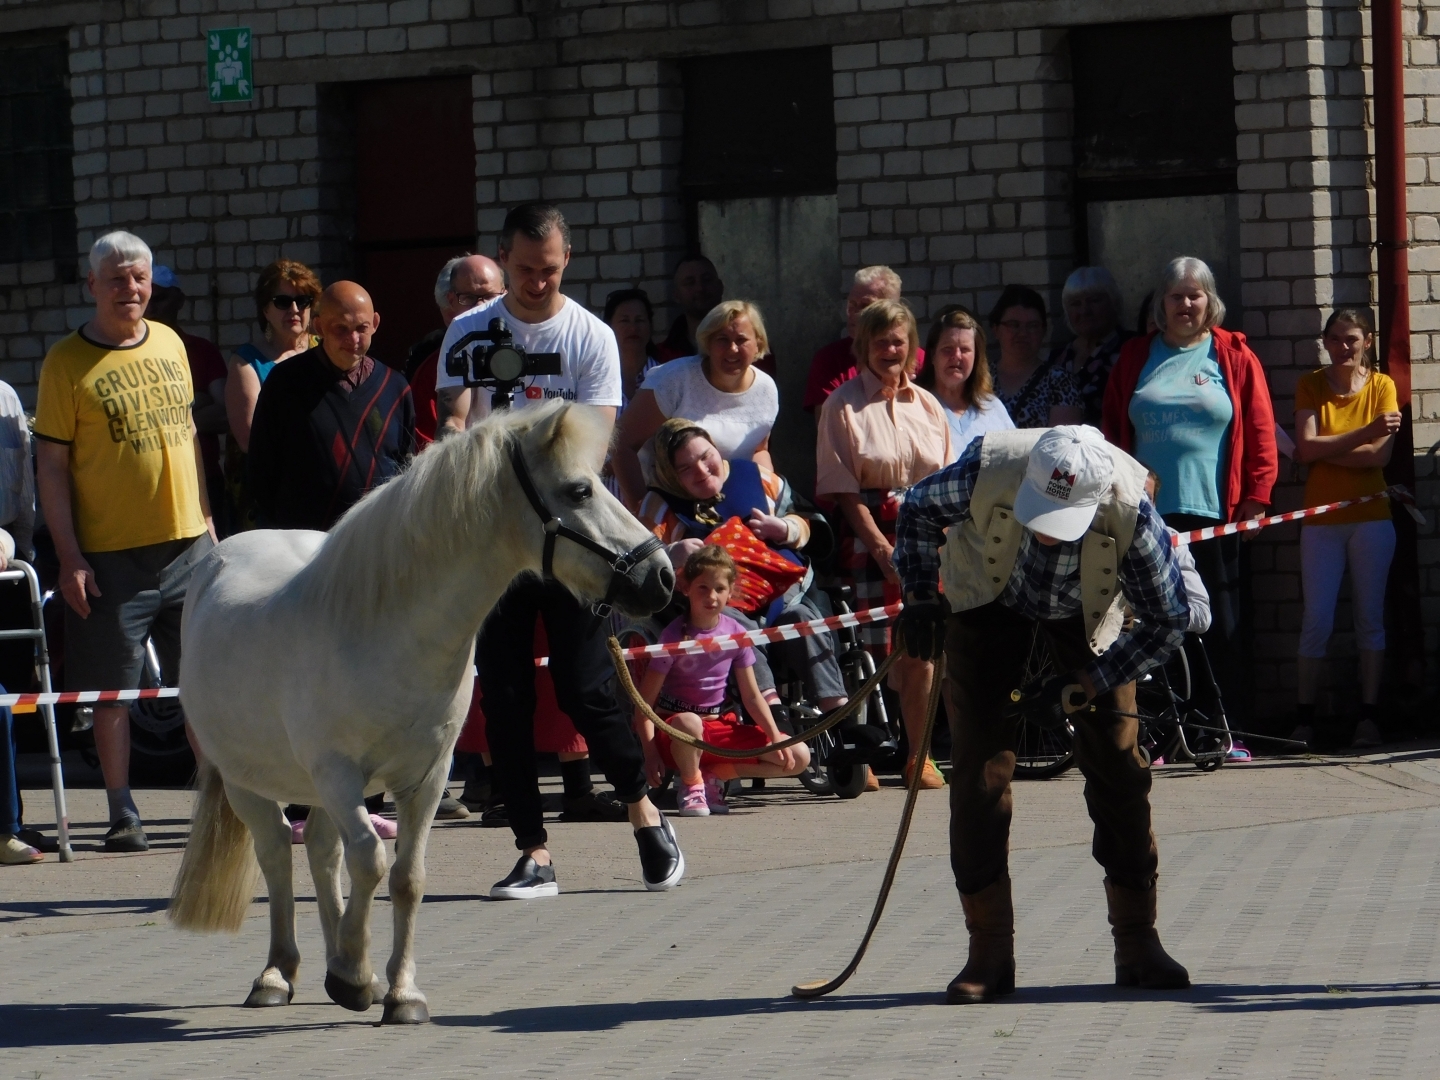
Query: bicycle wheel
{"points": [[1041, 753]]}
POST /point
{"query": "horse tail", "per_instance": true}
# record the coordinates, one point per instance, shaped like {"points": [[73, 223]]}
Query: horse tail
{"points": [[218, 874]]}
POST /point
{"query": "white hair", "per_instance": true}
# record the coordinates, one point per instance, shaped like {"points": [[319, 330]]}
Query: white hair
{"points": [[446, 280], [1187, 267], [121, 247], [882, 275], [1090, 280]]}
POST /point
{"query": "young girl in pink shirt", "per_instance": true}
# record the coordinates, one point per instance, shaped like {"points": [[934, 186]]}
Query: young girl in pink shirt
{"points": [[689, 691]]}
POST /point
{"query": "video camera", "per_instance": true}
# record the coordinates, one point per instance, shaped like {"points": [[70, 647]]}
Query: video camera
{"points": [[499, 365]]}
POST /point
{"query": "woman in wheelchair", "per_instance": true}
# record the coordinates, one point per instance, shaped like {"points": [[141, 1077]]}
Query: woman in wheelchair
{"points": [[695, 493], [689, 692]]}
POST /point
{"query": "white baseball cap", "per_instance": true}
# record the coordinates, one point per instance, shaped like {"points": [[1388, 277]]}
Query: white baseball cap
{"points": [[1070, 468]]}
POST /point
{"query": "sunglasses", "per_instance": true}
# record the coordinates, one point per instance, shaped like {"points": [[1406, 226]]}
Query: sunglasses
{"points": [[281, 302]]}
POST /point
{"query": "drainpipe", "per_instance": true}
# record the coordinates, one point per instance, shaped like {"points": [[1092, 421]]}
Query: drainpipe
{"points": [[1392, 241]]}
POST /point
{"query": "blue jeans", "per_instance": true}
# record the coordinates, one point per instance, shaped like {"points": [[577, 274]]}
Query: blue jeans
{"points": [[9, 789]]}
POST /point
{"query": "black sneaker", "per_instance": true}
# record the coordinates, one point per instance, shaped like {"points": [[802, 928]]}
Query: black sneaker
{"points": [[526, 882], [451, 809], [495, 816], [593, 806], [662, 864], [476, 796], [127, 835]]}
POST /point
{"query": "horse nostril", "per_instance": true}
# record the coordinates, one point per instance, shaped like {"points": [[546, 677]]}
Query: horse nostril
{"points": [[667, 579]]}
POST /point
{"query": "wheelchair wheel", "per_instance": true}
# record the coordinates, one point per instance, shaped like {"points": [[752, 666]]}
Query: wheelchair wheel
{"points": [[1041, 753], [849, 780]]}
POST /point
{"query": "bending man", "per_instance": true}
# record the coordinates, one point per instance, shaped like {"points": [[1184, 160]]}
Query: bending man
{"points": [[1052, 528]]}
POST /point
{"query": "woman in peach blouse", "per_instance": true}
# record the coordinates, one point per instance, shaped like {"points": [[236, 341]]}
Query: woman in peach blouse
{"points": [[880, 433]]}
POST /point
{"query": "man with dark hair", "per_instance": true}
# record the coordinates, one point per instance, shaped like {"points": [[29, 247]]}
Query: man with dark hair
{"points": [[331, 423], [534, 251], [697, 288]]}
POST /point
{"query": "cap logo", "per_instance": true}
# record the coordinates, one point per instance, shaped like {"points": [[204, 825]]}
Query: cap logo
{"points": [[1060, 486]]}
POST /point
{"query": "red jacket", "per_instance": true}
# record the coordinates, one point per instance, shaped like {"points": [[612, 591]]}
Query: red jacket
{"points": [[1253, 462]]}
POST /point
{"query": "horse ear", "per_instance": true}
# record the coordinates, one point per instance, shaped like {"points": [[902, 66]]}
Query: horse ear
{"points": [[550, 431]]}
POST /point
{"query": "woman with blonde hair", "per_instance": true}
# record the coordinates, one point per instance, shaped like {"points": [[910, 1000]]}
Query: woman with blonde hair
{"points": [[878, 434], [1346, 417], [958, 374], [720, 389]]}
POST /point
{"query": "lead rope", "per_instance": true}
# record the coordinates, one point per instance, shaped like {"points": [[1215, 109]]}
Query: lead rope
{"points": [[820, 988]]}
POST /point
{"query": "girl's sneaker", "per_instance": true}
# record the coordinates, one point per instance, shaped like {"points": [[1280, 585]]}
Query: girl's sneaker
{"points": [[690, 800], [715, 796]]}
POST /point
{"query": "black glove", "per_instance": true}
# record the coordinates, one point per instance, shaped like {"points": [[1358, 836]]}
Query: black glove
{"points": [[922, 624], [1044, 705]]}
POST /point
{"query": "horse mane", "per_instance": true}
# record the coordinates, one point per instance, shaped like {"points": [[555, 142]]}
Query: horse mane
{"points": [[383, 548]]}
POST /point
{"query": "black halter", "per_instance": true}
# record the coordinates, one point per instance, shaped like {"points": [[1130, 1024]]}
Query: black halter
{"points": [[620, 564]]}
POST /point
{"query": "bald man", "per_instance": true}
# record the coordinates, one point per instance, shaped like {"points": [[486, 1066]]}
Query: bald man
{"points": [[331, 423], [464, 282]]}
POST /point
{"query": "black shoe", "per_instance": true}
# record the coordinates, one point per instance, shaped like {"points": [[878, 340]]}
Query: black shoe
{"points": [[127, 834], [527, 881], [38, 840], [476, 796], [450, 809], [593, 806], [495, 816], [662, 864]]}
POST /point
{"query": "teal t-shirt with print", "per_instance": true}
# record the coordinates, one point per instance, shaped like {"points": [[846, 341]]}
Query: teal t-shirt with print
{"points": [[1182, 415]]}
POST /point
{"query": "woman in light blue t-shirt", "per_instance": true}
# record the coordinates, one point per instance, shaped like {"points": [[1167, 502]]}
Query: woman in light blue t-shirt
{"points": [[958, 374]]}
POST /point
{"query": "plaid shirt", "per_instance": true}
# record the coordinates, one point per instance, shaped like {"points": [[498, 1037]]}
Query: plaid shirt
{"points": [[1045, 583]]}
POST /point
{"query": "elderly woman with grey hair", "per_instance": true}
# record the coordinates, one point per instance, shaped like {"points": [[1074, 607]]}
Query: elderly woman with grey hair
{"points": [[1091, 301], [1190, 402]]}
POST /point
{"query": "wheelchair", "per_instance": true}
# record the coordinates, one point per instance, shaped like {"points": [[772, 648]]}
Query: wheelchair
{"points": [[1181, 714]]}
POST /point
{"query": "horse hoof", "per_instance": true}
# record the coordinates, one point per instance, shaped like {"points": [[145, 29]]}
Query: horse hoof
{"points": [[267, 997], [354, 998], [405, 1012]]}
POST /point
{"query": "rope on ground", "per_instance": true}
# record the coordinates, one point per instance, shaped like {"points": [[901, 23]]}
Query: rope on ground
{"points": [[819, 988], [856, 702]]}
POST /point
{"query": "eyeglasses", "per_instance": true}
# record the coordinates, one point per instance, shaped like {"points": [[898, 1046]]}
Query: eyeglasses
{"points": [[1015, 326], [281, 302]]}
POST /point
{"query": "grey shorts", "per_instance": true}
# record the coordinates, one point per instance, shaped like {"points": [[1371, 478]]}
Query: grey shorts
{"points": [[142, 592]]}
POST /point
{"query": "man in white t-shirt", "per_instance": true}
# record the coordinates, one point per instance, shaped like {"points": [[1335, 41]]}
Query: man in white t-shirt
{"points": [[534, 251]]}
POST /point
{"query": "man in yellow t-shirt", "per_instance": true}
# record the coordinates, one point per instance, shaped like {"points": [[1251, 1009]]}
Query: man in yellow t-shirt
{"points": [[118, 479]]}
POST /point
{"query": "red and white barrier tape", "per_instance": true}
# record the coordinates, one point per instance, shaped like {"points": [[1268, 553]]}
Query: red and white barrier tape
{"points": [[1398, 493], [730, 642], [86, 697]]}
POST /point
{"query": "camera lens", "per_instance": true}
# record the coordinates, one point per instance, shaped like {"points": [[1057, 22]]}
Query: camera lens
{"points": [[507, 364]]}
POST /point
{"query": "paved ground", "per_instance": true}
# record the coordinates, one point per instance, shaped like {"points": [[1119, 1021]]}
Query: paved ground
{"points": [[1303, 894]]}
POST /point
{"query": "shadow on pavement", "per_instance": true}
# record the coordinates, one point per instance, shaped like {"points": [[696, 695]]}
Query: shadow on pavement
{"points": [[122, 1023], [30, 909]]}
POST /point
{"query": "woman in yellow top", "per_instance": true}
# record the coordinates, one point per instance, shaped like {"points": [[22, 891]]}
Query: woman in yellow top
{"points": [[1345, 422]]}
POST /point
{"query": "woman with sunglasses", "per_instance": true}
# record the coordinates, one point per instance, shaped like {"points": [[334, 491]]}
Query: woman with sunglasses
{"points": [[285, 296], [1036, 392]]}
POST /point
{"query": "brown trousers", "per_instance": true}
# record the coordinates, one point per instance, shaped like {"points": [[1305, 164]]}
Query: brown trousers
{"points": [[985, 650]]}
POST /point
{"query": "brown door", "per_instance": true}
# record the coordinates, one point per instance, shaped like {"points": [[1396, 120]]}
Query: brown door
{"points": [[415, 200]]}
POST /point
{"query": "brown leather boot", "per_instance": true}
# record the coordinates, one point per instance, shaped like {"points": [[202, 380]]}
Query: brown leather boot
{"points": [[1140, 959], [990, 971]]}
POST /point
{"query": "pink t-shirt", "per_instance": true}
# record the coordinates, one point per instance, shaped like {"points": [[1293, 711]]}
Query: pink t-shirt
{"points": [[700, 680]]}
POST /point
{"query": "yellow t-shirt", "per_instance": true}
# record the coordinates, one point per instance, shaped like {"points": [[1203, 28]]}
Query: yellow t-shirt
{"points": [[1335, 415], [125, 414]]}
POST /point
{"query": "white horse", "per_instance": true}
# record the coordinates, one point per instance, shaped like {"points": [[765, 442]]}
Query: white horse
{"points": [[319, 669]]}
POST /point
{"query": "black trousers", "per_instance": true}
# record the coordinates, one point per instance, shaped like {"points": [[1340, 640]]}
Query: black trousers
{"points": [[985, 650], [585, 686], [1223, 565]]}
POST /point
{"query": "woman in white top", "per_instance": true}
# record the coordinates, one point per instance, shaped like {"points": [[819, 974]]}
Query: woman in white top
{"points": [[958, 373], [720, 389]]}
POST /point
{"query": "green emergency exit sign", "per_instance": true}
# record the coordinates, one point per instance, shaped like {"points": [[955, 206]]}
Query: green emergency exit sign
{"points": [[227, 64]]}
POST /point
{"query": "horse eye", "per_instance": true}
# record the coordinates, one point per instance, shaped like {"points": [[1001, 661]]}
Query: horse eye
{"points": [[580, 491]]}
